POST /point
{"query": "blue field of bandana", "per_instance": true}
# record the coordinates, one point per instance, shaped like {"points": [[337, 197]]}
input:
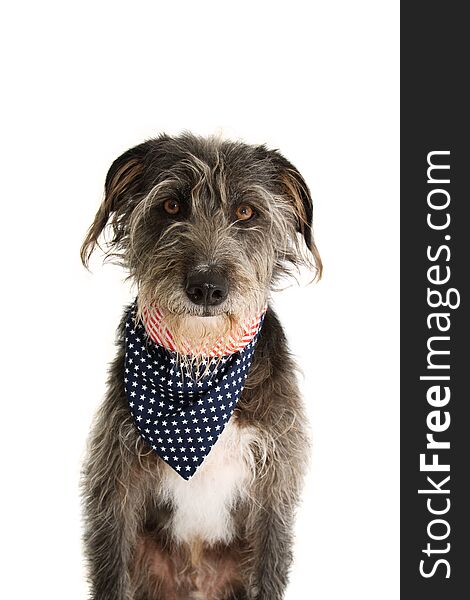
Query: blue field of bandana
{"points": [[180, 413]]}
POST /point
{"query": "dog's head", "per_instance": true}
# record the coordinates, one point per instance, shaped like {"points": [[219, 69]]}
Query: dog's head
{"points": [[205, 226]]}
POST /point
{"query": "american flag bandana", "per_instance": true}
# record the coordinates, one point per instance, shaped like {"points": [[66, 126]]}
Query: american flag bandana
{"points": [[179, 411]]}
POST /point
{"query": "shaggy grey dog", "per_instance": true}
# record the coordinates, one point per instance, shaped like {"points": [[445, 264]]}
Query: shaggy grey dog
{"points": [[205, 228]]}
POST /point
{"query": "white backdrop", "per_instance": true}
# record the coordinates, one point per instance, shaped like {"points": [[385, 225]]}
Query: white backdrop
{"points": [[82, 82]]}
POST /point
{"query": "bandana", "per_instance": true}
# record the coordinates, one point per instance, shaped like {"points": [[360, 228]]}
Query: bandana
{"points": [[180, 411]]}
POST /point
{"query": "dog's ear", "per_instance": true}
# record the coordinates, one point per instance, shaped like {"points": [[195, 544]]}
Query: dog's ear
{"points": [[296, 190], [123, 181]]}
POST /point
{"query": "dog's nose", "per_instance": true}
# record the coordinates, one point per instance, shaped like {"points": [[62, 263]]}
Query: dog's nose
{"points": [[206, 288]]}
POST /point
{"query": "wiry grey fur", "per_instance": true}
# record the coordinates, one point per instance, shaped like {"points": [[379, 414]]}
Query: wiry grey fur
{"points": [[128, 539]]}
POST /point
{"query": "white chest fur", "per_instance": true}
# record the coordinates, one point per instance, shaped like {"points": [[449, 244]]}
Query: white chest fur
{"points": [[202, 506]]}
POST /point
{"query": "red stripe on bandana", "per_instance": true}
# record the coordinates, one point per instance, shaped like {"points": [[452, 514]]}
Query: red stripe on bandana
{"points": [[159, 333]]}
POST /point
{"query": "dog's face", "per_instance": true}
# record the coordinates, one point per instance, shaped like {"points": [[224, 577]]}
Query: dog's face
{"points": [[204, 226]]}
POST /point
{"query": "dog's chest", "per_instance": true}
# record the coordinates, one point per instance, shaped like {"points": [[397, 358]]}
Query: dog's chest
{"points": [[203, 506]]}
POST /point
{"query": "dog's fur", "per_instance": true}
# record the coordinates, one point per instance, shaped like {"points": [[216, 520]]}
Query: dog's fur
{"points": [[226, 533]]}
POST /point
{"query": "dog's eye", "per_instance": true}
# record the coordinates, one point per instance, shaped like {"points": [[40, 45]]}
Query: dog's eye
{"points": [[244, 212], [172, 207]]}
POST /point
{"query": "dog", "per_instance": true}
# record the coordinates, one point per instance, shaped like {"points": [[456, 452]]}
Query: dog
{"points": [[205, 228]]}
